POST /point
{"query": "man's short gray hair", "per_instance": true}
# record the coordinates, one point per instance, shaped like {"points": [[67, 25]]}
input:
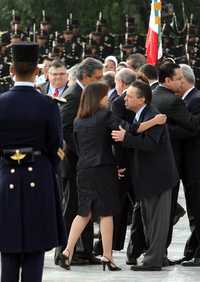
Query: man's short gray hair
{"points": [[87, 67], [188, 73], [126, 75]]}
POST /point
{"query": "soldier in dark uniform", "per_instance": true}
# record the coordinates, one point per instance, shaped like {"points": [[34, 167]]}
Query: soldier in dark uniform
{"points": [[42, 41], [72, 49], [30, 133], [78, 37], [4, 66], [107, 37]]}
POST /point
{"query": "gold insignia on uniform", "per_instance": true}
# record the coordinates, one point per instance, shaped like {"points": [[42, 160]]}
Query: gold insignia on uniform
{"points": [[17, 156]]}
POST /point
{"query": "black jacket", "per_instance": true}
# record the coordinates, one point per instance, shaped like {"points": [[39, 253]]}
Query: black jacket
{"points": [[191, 144], [93, 139], [30, 214], [177, 117], [119, 109], [68, 113], [153, 165]]}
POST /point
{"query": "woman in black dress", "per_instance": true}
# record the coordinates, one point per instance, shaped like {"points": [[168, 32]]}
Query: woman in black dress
{"points": [[97, 169]]}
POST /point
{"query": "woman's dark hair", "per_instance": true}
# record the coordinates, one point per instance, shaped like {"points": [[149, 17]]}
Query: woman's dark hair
{"points": [[90, 99], [143, 90]]}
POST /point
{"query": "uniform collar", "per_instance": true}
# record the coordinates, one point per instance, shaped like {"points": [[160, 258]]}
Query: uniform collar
{"points": [[24, 83]]}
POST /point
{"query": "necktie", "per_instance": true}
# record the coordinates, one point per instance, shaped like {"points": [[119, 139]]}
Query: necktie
{"points": [[56, 93]]}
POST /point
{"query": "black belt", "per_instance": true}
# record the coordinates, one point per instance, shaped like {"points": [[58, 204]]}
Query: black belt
{"points": [[19, 156]]}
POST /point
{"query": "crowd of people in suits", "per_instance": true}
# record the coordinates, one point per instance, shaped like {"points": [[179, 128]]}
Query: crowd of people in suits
{"points": [[148, 177]]}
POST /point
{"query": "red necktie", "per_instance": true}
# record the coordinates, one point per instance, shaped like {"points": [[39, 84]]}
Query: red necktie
{"points": [[56, 93]]}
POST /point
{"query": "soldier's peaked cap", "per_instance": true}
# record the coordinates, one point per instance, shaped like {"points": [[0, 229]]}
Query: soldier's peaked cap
{"points": [[25, 52]]}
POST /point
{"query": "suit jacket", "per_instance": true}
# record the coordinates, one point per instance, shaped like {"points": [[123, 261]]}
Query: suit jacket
{"points": [[113, 97], [154, 85], [68, 113], [30, 214], [152, 161], [93, 139], [119, 109], [177, 116], [45, 88], [191, 144]]}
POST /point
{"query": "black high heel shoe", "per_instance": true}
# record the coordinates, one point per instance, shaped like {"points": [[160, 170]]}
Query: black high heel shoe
{"points": [[64, 261], [111, 266]]}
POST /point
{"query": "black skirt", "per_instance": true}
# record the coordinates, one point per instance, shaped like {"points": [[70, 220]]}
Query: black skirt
{"points": [[98, 191]]}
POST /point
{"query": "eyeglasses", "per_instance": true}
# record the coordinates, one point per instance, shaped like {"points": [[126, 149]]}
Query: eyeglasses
{"points": [[58, 74]]}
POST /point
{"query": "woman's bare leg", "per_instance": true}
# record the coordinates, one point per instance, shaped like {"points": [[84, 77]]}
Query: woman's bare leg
{"points": [[78, 225], [106, 228]]}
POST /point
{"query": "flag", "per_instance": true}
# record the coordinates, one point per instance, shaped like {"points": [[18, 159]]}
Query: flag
{"points": [[154, 37]]}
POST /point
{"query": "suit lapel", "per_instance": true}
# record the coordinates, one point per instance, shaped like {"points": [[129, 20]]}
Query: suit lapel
{"points": [[142, 115]]}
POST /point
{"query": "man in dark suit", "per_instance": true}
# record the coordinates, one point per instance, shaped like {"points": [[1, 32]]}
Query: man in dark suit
{"points": [[89, 70], [190, 168], [109, 79], [30, 131], [150, 73], [152, 189], [136, 245], [165, 100]]}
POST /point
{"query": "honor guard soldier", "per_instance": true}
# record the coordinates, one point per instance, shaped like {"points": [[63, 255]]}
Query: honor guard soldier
{"points": [[4, 67], [72, 49], [15, 29], [30, 133], [45, 30], [77, 37], [107, 38], [42, 42]]}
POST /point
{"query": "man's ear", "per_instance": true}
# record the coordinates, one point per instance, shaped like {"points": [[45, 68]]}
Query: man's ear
{"points": [[12, 70], [37, 71], [167, 80]]}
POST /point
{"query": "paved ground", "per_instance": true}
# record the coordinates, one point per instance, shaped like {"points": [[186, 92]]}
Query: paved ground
{"points": [[95, 273], [54, 273]]}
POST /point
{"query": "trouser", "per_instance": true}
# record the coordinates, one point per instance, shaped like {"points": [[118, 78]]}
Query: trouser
{"points": [[192, 196], [174, 199], [31, 265], [137, 244], [155, 213]]}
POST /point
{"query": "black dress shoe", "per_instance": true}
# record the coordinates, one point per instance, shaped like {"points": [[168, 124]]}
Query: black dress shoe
{"points": [[98, 248], [93, 260], [179, 261], [143, 267], [131, 261], [180, 213], [193, 262], [168, 262], [56, 261], [79, 261]]}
